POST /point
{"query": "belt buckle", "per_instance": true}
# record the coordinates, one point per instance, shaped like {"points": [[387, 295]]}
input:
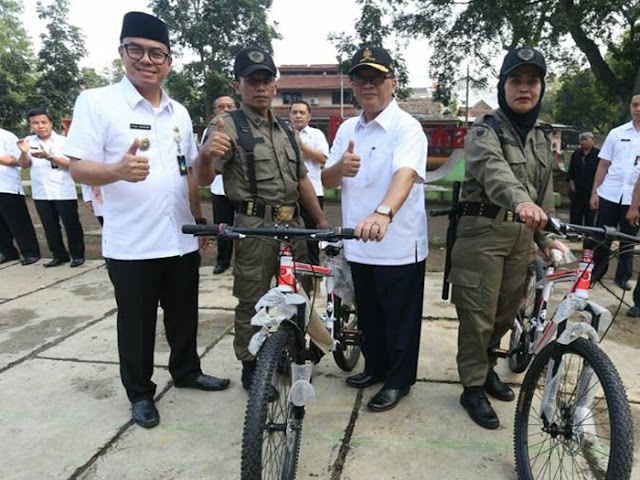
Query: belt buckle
{"points": [[284, 213], [509, 216]]}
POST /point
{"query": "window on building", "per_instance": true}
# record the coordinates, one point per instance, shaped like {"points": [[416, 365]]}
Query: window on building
{"points": [[290, 97], [348, 97]]}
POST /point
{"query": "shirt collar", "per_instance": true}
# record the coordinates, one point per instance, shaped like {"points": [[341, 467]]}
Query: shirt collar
{"points": [[256, 118], [384, 118], [133, 97]]}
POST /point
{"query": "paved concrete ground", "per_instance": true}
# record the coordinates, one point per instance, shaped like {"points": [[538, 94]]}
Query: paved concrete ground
{"points": [[64, 414]]}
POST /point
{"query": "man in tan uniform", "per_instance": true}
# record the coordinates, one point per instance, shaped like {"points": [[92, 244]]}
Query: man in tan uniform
{"points": [[265, 191], [508, 169]]}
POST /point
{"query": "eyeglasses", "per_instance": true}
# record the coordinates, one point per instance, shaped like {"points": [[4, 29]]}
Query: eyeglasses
{"points": [[254, 81], [136, 52], [375, 80]]}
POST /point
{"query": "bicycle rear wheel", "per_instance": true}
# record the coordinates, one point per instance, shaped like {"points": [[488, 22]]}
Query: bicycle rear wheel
{"points": [[272, 425], [345, 330], [585, 430], [520, 339]]}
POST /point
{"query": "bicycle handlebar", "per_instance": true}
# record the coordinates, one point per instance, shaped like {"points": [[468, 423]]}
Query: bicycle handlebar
{"points": [[276, 231], [555, 225]]}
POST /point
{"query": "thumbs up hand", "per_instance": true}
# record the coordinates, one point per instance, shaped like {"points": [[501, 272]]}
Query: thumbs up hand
{"points": [[350, 162], [133, 167], [218, 143]]}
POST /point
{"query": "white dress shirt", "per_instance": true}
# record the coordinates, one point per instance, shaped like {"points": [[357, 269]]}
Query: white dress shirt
{"points": [[10, 180], [622, 149], [142, 220], [314, 138], [393, 140], [49, 182]]}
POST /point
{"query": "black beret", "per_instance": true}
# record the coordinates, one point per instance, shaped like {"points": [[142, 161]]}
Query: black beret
{"points": [[143, 25], [523, 56], [251, 59]]}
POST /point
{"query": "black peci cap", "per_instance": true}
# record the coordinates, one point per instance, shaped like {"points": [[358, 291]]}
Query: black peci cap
{"points": [[374, 57], [523, 56], [143, 25], [252, 59]]}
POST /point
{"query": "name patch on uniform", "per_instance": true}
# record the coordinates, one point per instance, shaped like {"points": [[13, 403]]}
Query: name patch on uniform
{"points": [[479, 133], [139, 126], [625, 139]]}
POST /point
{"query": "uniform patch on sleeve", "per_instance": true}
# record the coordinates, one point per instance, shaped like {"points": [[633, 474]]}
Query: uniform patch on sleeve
{"points": [[479, 132]]}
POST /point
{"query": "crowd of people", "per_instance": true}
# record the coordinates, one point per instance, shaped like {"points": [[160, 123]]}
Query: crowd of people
{"points": [[132, 148]]}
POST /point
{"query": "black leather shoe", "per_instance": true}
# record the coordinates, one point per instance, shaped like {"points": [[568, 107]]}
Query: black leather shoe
{"points": [[386, 399], [220, 267], [623, 284], [206, 382], [54, 263], [29, 260], [76, 262], [247, 374], [477, 405], [4, 259], [362, 380], [498, 389], [145, 413]]}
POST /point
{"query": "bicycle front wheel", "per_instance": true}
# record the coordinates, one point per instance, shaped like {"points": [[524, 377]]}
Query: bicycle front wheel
{"points": [[520, 339], [272, 425], [573, 418], [345, 330]]}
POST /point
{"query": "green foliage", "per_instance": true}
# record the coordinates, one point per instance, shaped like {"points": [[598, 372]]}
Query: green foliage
{"points": [[92, 79], [214, 31], [372, 29], [570, 33], [59, 79]]}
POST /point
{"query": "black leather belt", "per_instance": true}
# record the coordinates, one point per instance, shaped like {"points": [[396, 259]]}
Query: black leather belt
{"points": [[279, 213], [477, 209]]}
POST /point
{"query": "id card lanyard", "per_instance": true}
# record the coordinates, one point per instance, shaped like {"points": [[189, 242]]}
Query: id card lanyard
{"points": [[182, 161]]}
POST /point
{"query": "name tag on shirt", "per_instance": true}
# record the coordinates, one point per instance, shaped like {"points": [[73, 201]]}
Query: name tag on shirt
{"points": [[625, 139], [182, 164], [139, 126]]}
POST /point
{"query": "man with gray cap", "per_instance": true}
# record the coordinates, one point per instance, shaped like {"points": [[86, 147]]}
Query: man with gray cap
{"points": [[508, 169], [266, 184], [136, 143], [379, 161], [582, 171]]}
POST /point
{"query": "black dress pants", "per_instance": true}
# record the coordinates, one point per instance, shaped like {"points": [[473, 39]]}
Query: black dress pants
{"points": [[15, 223], [223, 212], [140, 285], [50, 212], [580, 212], [613, 214], [309, 222], [389, 307]]}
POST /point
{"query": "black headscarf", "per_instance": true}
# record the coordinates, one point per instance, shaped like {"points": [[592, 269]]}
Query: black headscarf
{"points": [[522, 122]]}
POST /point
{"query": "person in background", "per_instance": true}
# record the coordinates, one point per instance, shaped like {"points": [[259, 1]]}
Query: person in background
{"points": [[379, 159], [315, 149], [92, 197], [52, 188], [612, 190], [15, 221], [137, 144], [582, 171]]}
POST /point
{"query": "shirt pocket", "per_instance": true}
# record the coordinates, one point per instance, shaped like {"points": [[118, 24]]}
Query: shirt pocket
{"points": [[263, 163]]}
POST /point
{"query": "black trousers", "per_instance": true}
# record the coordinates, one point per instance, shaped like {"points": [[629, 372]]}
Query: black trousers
{"points": [[15, 223], [51, 212], [579, 211], [309, 222], [140, 285], [389, 306], [223, 212], [613, 214]]}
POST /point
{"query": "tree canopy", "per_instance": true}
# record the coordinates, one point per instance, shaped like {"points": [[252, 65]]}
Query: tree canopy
{"points": [[212, 31]]}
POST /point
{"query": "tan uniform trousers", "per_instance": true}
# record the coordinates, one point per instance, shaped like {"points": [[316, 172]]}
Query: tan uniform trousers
{"points": [[488, 270], [256, 264]]}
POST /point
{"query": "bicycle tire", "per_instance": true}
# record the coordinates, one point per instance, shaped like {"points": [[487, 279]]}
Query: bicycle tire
{"points": [[345, 356], [272, 425], [596, 445], [520, 343]]}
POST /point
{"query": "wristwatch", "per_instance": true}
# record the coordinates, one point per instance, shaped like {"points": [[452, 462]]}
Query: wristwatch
{"points": [[386, 211]]}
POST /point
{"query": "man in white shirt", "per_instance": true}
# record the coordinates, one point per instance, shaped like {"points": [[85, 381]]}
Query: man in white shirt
{"points": [[612, 191], [137, 143], [379, 160], [52, 188], [15, 221], [314, 149]]}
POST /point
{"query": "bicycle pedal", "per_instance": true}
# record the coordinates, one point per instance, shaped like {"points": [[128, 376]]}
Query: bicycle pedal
{"points": [[499, 353]]}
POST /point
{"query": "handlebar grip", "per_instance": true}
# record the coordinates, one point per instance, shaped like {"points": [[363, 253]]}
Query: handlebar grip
{"points": [[198, 229], [347, 233]]}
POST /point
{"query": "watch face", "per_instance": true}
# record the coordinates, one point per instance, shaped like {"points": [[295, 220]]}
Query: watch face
{"points": [[384, 210]]}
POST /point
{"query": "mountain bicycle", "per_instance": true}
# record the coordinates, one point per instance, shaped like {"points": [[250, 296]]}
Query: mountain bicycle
{"points": [[282, 380], [572, 418]]}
